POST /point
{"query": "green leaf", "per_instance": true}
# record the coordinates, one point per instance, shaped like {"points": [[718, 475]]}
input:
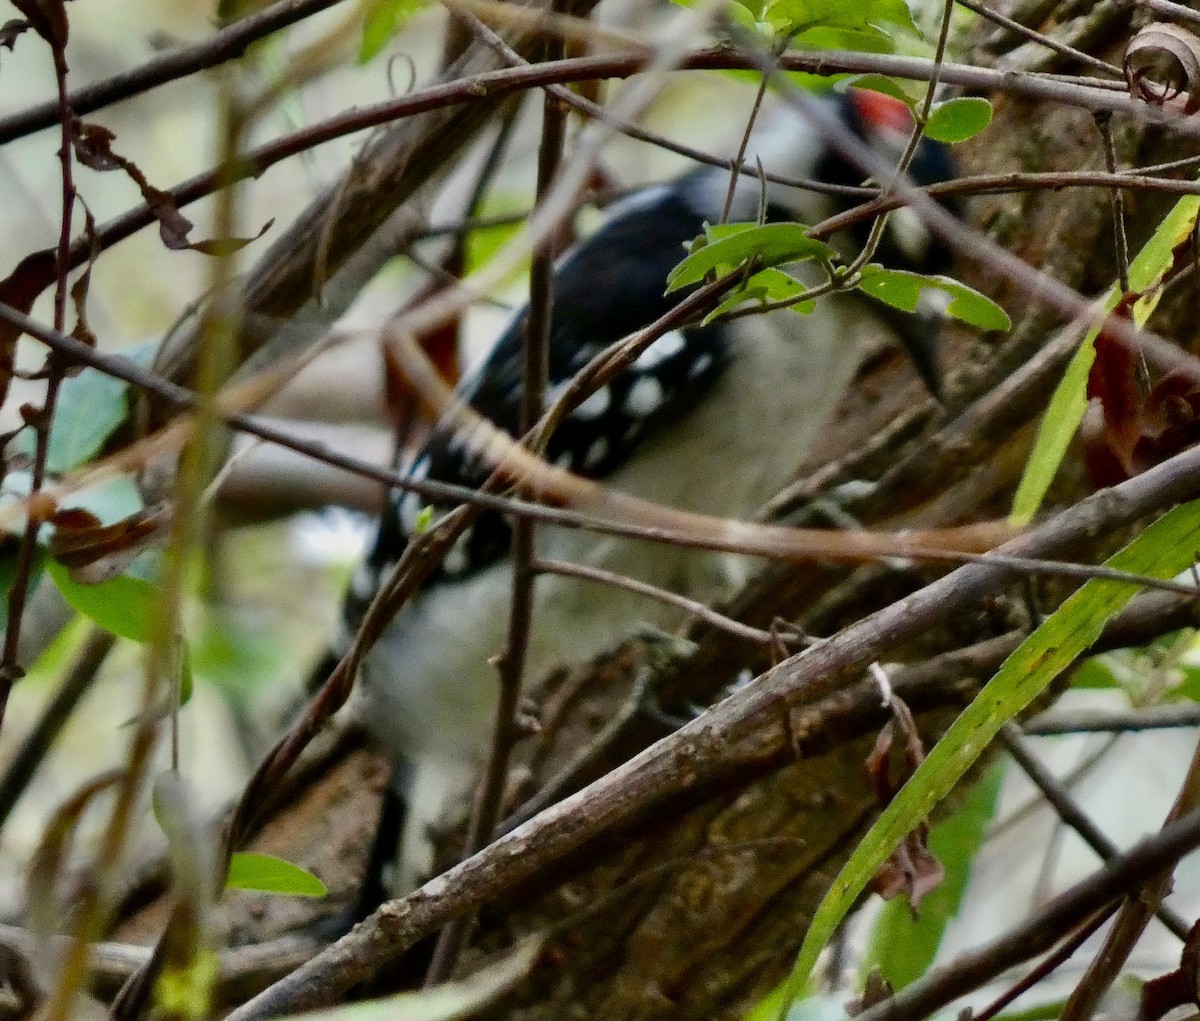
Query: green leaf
{"points": [[907, 92], [265, 873], [902, 289], [110, 500], [184, 989], [383, 20], [866, 16], [91, 406], [1069, 401], [736, 244], [956, 120], [123, 605], [1170, 545], [235, 655], [742, 17], [1096, 673], [903, 947], [1067, 406], [826, 37], [484, 242], [768, 285]]}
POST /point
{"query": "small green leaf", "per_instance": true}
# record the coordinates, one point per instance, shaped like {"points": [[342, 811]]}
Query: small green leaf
{"points": [[184, 989], [888, 87], [824, 37], [768, 285], [790, 17], [902, 289], [1170, 545], [903, 947], [123, 605], [423, 521], [383, 20], [265, 873], [956, 120], [483, 243], [770, 245], [743, 18]]}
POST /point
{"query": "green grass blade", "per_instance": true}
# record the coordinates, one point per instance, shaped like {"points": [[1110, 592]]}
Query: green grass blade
{"points": [[1166, 548]]}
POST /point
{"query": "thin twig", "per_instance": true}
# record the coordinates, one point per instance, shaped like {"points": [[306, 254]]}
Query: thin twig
{"points": [[692, 607], [1116, 201], [1053, 961], [1041, 39], [698, 532], [10, 669], [220, 47], [492, 84], [1097, 721], [1141, 903], [489, 803], [1169, 9], [1072, 814]]}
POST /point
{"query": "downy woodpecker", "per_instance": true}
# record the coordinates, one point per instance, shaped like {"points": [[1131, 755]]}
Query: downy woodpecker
{"points": [[712, 419]]}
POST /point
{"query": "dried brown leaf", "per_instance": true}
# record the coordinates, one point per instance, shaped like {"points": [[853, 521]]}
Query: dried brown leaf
{"points": [[93, 147], [94, 552], [911, 869], [19, 290], [1162, 63]]}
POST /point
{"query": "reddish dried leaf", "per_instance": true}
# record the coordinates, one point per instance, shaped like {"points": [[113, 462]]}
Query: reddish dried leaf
{"points": [[93, 552], [79, 290], [911, 869], [93, 147], [1133, 431], [19, 290], [173, 226], [1113, 382], [877, 764]]}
